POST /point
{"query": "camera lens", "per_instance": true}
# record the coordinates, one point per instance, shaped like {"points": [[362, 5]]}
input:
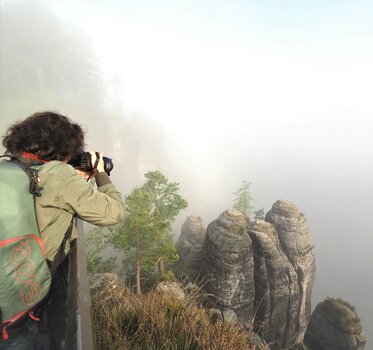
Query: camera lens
{"points": [[83, 161], [108, 165]]}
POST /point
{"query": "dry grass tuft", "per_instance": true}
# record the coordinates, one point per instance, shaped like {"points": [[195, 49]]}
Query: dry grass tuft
{"points": [[159, 322]]}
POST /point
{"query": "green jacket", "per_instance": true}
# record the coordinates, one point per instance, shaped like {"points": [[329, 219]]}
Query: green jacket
{"points": [[66, 194]]}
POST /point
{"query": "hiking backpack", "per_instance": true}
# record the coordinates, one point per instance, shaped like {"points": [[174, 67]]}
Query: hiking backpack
{"points": [[24, 274]]}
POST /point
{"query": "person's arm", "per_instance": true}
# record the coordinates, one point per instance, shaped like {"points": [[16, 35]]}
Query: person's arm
{"points": [[103, 206]]}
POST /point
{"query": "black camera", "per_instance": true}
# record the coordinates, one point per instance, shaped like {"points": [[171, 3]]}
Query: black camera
{"points": [[83, 161]]}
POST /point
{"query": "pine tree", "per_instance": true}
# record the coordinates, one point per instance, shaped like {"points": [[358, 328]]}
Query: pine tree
{"points": [[243, 199], [166, 204], [259, 214], [95, 244], [144, 235]]}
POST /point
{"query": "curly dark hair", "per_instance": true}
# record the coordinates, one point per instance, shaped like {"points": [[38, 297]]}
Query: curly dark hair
{"points": [[48, 135]]}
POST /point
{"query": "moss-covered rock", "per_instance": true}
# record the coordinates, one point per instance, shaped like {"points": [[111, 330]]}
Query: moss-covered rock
{"points": [[335, 325]]}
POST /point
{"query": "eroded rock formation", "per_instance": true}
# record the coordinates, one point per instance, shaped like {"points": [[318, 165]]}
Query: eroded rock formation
{"points": [[284, 274], [334, 325], [267, 269], [277, 293], [189, 246], [227, 263]]}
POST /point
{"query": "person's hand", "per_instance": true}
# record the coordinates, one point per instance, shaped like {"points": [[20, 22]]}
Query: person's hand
{"points": [[100, 166], [83, 174]]}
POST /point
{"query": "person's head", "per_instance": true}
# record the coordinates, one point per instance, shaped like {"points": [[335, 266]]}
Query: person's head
{"points": [[47, 135]]}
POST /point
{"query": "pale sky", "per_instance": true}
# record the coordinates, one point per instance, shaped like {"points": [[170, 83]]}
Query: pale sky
{"points": [[254, 64], [238, 70]]}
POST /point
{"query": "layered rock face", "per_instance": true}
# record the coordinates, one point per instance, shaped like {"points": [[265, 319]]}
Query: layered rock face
{"points": [[228, 266], [334, 325], [284, 275], [277, 299], [189, 246]]}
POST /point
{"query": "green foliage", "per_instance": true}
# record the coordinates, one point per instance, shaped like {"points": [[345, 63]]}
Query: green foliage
{"points": [[155, 321], [96, 242], [165, 200], [243, 199], [144, 235], [259, 214]]}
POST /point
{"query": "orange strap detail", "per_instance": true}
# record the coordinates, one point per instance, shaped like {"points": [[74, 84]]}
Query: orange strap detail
{"points": [[33, 317], [5, 334], [34, 157]]}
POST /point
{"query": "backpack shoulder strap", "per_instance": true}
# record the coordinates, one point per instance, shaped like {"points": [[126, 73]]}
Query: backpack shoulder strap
{"points": [[32, 175], [60, 256]]}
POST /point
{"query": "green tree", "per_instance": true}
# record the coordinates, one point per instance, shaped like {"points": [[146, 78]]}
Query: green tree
{"points": [[96, 242], [259, 214], [243, 199], [166, 204], [133, 235], [144, 235]]}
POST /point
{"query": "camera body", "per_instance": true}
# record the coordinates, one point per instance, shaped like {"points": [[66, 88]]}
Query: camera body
{"points": [[83, 161]]}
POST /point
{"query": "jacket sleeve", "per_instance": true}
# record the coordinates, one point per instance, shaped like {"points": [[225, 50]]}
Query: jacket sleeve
{"points": [[103, 206]]}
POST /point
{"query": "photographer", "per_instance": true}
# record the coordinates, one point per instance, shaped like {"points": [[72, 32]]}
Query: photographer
{"points": [[50, 141]]}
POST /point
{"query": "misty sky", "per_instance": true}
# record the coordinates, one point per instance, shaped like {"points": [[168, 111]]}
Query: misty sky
{"points": [[291, 83], [278, 93]]}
